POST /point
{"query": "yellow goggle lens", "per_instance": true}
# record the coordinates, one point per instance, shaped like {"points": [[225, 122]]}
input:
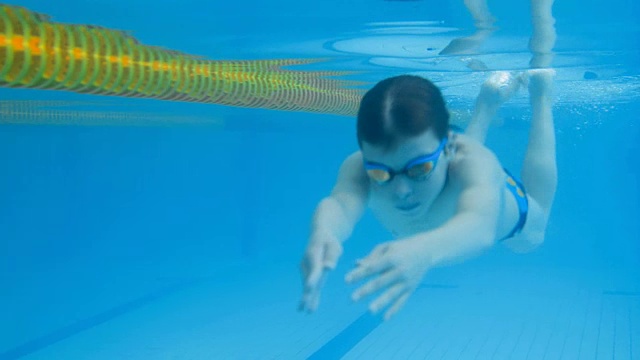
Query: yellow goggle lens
{"points": [[379, 175], [420, 169]]}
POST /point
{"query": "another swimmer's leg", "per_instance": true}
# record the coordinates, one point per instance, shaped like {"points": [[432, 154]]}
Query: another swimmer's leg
{"points": [[484, 27], [539, 170], [497, 89], [543, 36]]}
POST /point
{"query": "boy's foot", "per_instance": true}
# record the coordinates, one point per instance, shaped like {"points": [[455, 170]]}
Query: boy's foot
{"points": [[500, 86], [540, 81]]}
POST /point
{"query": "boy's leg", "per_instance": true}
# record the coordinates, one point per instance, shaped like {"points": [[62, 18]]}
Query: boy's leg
{"points": [[497, 89], [539, 170], [501, 85]]}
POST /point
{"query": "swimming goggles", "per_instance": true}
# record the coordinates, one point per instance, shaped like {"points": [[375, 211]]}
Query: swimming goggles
{"points": [[418, 168]]}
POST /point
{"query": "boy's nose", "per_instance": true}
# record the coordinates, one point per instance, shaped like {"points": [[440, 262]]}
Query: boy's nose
{"points": [[402, 188]]}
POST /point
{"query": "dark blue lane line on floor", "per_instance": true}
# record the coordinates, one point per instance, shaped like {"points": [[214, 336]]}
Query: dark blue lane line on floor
{"points": [[82, 325], [348, 338]]}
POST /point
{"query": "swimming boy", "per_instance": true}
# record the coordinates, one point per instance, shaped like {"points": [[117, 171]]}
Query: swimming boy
{"points": [[443, 195]]}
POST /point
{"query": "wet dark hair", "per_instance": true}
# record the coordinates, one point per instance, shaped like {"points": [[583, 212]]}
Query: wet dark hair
{"points": [[401, 107]]}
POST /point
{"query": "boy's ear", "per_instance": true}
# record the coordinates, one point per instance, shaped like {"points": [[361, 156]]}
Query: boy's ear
{"points": [[449, 149]]}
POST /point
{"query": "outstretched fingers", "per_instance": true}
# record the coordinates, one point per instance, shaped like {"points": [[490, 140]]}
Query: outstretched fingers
{"points": [[312, 273], [382, 281], [387, 297], [368, 267], [397, 305]]}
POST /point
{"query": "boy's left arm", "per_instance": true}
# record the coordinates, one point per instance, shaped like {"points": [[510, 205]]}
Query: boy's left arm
{"points": [[398, 266]]}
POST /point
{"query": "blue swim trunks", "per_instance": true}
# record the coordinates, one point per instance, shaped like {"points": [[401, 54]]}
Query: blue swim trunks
{"points": [[518, 191]]}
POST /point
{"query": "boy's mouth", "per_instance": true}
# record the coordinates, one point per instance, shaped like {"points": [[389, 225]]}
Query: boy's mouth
{"points": [[408, 207]]}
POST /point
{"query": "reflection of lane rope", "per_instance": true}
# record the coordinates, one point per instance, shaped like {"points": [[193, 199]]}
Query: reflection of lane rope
{"points": [[38, 53], [48, 113]]}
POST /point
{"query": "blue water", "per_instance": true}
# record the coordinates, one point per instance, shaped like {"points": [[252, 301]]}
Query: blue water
{"points": [[183, 242]]}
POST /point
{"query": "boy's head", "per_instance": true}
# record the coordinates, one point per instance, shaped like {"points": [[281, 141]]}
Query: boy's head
{"points": [[399, 108]]}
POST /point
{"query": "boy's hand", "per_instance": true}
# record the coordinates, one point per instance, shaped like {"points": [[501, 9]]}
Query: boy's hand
{"points": [[321, 256], [397, 268]]}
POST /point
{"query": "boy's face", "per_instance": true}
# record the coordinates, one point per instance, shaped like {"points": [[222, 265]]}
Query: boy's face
{"points": [[406, 194]]}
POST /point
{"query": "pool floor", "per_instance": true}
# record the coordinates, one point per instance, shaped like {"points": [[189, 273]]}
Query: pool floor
{"points": [[250, 313]]}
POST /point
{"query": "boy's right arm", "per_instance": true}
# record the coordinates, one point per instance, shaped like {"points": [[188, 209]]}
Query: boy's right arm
{"points": [[333, 222]]}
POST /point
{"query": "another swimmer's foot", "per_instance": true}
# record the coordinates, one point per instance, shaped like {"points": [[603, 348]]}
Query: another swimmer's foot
{"points": [[500, 86], [540, 81], [468, 44]]}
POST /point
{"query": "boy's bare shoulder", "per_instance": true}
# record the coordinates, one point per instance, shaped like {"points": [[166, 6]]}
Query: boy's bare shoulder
{"points": [[352, 174], [354, 158], [470, 157], [353, 165], [465, 147]]}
